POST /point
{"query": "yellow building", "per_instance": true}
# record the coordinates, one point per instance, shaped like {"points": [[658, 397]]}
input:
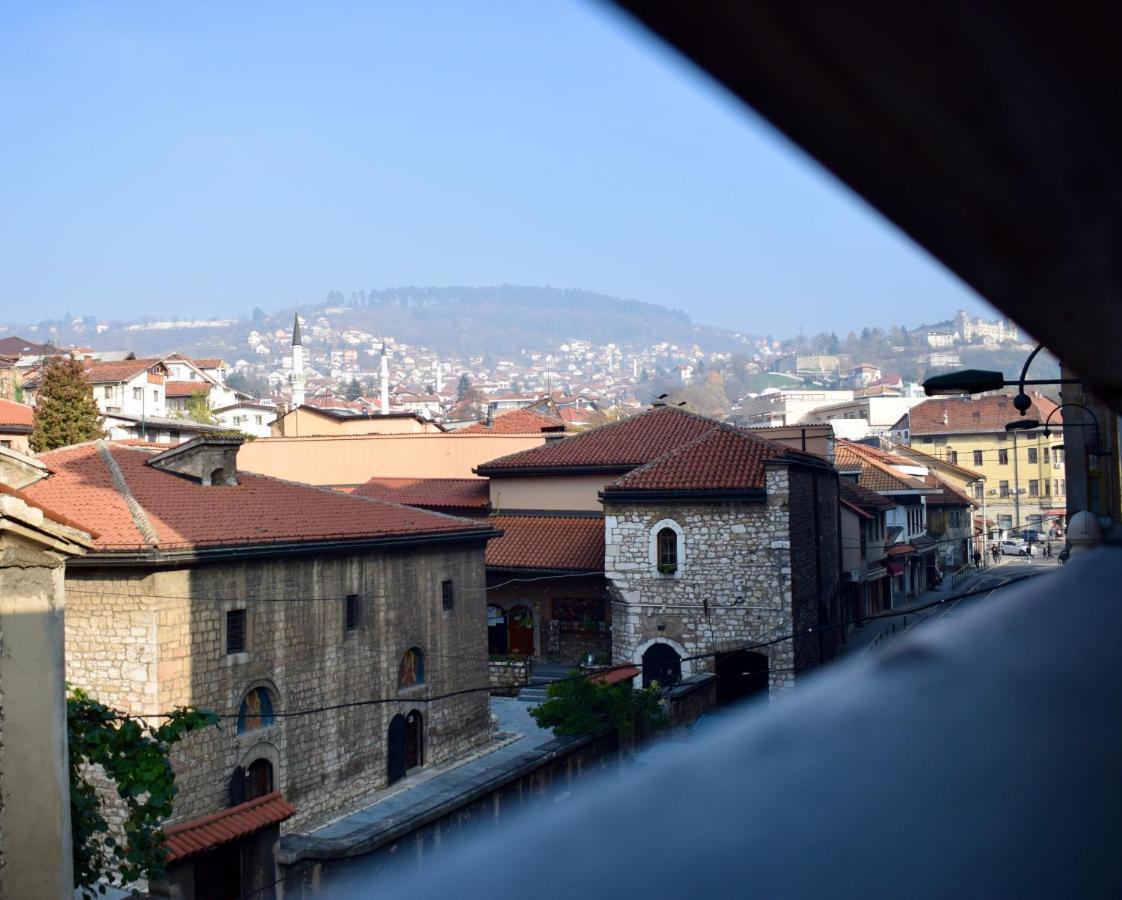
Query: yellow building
{"points": [[1025, 486]]}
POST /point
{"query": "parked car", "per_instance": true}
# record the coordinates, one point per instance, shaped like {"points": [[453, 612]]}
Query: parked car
{"points": [[1013, 548]]}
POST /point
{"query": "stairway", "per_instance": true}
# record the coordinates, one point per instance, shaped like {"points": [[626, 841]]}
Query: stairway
{"points": [[542, 675]]}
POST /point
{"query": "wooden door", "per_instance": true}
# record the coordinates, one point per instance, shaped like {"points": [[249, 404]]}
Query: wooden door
{"points": [[520, 631]]}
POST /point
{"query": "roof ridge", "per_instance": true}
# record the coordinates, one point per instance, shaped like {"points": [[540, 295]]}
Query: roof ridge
{"points": [[673, 452], [139, 518], [884, 467]]}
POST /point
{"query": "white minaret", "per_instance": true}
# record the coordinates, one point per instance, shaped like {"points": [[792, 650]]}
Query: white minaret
{"points": [[297, 377], [439, 381], [385, 381]]}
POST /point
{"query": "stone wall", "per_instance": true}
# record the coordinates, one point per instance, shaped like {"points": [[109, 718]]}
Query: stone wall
{"points": [[555, 643], [732, 586], [152, 639], [815, 563], [508, 676]]}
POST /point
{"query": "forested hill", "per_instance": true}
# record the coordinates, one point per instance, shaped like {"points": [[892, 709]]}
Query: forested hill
{"points": [[462, 321]]}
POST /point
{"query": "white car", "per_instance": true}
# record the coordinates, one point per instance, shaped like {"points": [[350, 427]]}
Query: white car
{"points": [[1013, 548]]}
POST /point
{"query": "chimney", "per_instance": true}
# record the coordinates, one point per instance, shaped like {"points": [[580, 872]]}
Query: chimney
{"points": [[490, 415], [385, 373], [209, 459]]}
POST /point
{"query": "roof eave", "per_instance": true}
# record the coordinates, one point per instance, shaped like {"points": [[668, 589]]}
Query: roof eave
{"points": [[724, 495]]}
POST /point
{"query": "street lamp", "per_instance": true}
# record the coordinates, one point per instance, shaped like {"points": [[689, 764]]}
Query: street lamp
{"points": [[977, 381]]}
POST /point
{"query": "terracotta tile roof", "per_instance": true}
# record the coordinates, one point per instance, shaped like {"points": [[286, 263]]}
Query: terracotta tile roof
{"points": [[966, 415], [209, 363], [111, 372], [437, 493], [876, 468], [569, 543], [16, 414], [518, 421], [725, 458], [185, 388], [47, 511], [947, 494], [200, 835], [863, 497], [619, 445], [17, 346], [614, 676], [930, 460], [184, 514]]}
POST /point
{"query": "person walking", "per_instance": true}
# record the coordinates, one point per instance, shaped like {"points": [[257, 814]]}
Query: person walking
{"points": [[977, 559]]}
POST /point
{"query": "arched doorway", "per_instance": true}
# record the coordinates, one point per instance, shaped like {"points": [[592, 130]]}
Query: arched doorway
{"points": [[741, 674], [258, 779], [414, 740], [661, 663], [395, 749], [520, 631], [497, 641]]}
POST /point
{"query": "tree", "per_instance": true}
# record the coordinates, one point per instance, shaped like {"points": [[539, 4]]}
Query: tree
{"points": [[198, 409], [579, 705], [134, 756], [462, 387], [354, 390], [65, 411]]}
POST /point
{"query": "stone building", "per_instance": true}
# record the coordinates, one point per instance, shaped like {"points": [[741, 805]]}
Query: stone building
{"points": [[574, 559], [327, 629], [718, 551]]}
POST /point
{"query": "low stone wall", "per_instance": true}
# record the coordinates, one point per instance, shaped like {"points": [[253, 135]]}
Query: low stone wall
{"points": [[508, 676]]}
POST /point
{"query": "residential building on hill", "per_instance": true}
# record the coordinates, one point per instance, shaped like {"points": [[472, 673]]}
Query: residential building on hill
{"points": [[16, 422], [250, 596], [310, 421], [776, 406], [865, 588], [1025, 482], [862, 417]]}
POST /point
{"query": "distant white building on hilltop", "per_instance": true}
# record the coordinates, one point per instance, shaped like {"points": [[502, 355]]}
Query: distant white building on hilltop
{"points": [[978, 330]]}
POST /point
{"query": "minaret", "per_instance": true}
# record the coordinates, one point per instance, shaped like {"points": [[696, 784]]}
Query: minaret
{"points": [[297, 376], [385, 381], [439, 382]]}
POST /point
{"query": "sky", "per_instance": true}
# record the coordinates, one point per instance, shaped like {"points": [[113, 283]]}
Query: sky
{"points": [[200, 159]]}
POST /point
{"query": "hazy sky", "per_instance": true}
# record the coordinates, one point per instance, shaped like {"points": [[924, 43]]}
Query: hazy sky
{"points": [[204, 158]]}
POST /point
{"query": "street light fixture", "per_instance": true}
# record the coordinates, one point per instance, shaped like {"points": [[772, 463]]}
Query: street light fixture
{"points": [[977, 381]]}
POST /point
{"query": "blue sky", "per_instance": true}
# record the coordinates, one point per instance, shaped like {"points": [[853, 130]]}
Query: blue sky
{"points": [[162, 158]]}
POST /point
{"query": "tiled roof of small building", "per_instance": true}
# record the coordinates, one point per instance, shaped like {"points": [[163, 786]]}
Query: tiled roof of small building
{"points": [[565, 543], [111, 372], [184, 514], [723, 459], [863, 497], [235, 823], [946, 494], [632, 442], [517, 421], [876, 468], [452, 493], [16, 414], [185, 388], [965, 415]]}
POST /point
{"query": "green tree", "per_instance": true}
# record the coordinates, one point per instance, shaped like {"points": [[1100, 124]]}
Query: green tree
{"points": [[134, 756], [65, 410], [354, 390], [462, 387], [198, 409], [580, 705]]}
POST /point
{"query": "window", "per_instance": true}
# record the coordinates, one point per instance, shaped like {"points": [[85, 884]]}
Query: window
{"points": [[1046, 452], [256, 711], [1047, 486], [1005, 522], [1034, 488], [235, 631], [667, 553], [1003, 489], [1063, 486], [155, 395], [447, 596], [137, 393], [258, 420], [1059, 454], [977, 457], [1033, 455], [952, 457], [411, 672], [1003, 457], [928, 440], [979, 490], [351, 613], [107, 391]]}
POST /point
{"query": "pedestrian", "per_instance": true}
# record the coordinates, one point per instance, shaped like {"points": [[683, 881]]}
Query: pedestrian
{"points": [[1048, 549], [977, 559]]}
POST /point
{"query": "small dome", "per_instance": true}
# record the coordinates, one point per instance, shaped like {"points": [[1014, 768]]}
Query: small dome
{"points": [[1084, 530]]}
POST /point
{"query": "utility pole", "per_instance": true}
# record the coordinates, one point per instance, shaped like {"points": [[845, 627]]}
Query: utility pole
{"points": [[1016, 488]]}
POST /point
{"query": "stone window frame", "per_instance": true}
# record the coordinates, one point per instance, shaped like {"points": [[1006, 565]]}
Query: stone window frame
{"points": [[263, 749], [242, 656], [652, 548]]}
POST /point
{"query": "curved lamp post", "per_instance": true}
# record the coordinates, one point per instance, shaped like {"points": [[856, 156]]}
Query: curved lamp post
{"points": [[977, 381]]}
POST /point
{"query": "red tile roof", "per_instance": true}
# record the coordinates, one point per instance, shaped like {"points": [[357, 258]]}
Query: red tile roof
{"points": [[200, 835], [947, 494], [568, 543], [517, 421], [620, 445], [185, 388], [16, 414], [863, 497], [724, 459], [876, 468], [966, 415], [616, 675], [46, 510], [932, 461], [185, 514], [438, 493], [112, 372]]}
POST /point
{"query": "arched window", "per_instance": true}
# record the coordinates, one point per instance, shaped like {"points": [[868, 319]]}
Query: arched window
{"points": [[412, 669], [667, 551], [256, 711]]}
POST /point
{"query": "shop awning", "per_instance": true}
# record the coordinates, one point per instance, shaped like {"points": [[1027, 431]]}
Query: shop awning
{"points": [[611, 676], [897, 550], [235, 823]]}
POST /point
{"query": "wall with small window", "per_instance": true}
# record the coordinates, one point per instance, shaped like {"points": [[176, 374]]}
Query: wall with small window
{"points": [[667, 548]]}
